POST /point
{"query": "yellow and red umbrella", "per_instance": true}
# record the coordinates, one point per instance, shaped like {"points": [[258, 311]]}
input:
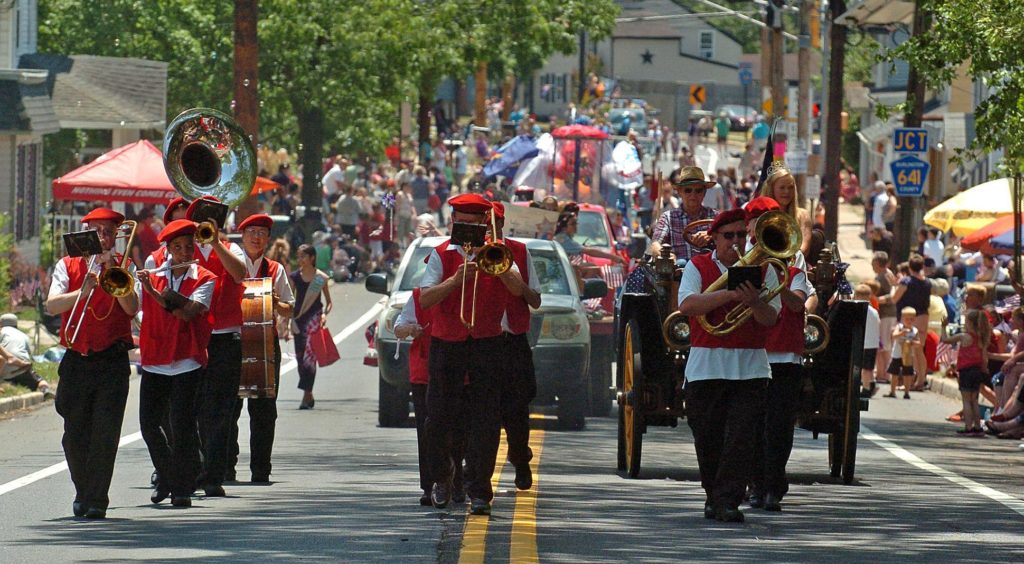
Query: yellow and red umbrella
{"points": [[973, 209]]}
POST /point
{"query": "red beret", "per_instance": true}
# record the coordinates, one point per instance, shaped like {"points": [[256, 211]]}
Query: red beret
{"points": [[470, 203], [256, 220], [173, 205], [192, 206], [103, 214], [725, 218], [499, 209], [177, 228], [759, 206]]}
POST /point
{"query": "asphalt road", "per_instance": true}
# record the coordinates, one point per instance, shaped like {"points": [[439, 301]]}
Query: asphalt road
{"points": [[345, 490]]}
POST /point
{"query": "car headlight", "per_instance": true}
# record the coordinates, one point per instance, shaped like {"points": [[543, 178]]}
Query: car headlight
{"points": [[561, 327]]}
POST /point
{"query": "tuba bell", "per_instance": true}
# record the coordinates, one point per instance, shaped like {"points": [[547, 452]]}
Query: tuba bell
{"points": [[206, 153], [778, 239]]}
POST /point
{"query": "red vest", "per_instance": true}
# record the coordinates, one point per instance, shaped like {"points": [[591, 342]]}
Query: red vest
{"points": [[105, 322], [517, 309], [158, 256], [447, 324], [164, 338], [419, 352], [226, 307], [750, 335], [788, 333]]}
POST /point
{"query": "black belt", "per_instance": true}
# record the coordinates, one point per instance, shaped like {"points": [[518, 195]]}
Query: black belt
{"points": [[108, 353]]}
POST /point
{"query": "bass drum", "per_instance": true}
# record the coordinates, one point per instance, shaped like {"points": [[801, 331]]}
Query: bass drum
{"points": [[258, 363]]}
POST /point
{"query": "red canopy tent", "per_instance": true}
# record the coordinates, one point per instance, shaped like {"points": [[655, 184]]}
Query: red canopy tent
{"points": [[133, 173]]}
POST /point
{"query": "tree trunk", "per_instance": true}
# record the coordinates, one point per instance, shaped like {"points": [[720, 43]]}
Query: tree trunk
{"points": [[508, 88], [480, 94], [311, 138], [246, 105], [461, 99], [833, 134], [423, 118]]}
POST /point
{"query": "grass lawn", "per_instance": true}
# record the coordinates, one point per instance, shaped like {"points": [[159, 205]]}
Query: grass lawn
{"points": [[48, 371]]}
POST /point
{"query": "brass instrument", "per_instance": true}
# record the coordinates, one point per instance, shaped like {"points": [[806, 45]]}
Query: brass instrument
{"points": [[816, 334], [206, 153], [778, 239], [676, 331], [494, 259], [206, 233], [114, 280]]}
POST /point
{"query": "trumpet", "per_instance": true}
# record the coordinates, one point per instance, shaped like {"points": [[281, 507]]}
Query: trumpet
{"points": [[206, 233], [114, 280], [778, 239], [494, 259]]}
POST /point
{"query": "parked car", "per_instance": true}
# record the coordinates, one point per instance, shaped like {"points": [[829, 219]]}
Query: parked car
{"points": [[741, 118], [559, 333], [624, 119]]}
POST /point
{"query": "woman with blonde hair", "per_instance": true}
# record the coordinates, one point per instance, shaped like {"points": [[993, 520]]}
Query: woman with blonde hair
{"points": [[780, 185]]}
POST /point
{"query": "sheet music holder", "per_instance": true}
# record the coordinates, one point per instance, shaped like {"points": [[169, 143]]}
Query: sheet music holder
{"points": [[472, 233], [82, 243], [206, 210]]}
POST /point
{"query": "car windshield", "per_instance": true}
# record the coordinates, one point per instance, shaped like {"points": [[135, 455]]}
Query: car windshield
{"points": [[550, 272], [591, 231], [415, 268]]}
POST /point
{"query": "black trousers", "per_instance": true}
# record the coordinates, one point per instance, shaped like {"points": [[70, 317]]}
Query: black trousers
{"points": [[723, 415], [218, 396], [262, 423], [775, 429], [172, 456], [520, 383], [419, 403], [450, 363], [93, 393]]}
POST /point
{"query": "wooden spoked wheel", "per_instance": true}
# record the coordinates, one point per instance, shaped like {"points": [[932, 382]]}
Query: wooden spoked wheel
{"points": [[630, 417]]}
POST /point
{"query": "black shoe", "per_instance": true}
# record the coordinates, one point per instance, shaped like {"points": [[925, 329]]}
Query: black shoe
{"points": [[181, 501], [906, 395], [772, 502], [425, 499], [709, 510], [154, 478], [260, 479], [79, 509], [305, 405], [214, 491], [478, 506], [757, 500], [524, 477], [441, 494], [729, 515], [96, 513], [159, 494], [230, 476], [458, 495]]}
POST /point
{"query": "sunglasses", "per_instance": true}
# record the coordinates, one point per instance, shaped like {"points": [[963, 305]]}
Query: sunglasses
{"points": [[693, 190], [730, 235]]}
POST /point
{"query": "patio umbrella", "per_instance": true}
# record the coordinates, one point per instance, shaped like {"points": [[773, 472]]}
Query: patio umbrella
{"points": [[972, 209], [264, 185], [981, 239], [578, 131], [505, 161]]}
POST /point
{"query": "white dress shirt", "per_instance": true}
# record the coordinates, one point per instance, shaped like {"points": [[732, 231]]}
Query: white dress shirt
{"points": [[202, 294]]}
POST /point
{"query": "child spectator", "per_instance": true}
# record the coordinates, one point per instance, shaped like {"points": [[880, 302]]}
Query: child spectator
{"points": [[871, 341], [906, 342], [972, 365]]}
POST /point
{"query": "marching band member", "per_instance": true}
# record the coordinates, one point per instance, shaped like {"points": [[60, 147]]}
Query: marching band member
{"points": [[255, 231], [456, 351], [94, 371], [219, 391], [691, 184], [773, 441], [725, 376], [175, 334], [520, 379]]}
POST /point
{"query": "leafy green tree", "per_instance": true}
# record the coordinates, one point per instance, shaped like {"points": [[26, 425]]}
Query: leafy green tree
{"points": [[985, 37]]}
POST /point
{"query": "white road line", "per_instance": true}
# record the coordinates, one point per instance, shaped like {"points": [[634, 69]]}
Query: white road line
{"points": [[137, 436], [903, 454]]}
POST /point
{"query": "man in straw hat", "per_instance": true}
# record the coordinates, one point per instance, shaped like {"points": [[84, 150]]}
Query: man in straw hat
{"points": [[691, 184]]}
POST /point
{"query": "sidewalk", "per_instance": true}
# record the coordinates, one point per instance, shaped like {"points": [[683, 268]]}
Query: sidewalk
{"points": [[851, 246]]}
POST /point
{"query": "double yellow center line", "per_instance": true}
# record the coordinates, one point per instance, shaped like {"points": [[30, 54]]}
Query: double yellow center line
{"points": [[523, 544]]}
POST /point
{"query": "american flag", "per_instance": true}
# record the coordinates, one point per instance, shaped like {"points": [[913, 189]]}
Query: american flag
{"points": [[1007, 305], [945, 354]]}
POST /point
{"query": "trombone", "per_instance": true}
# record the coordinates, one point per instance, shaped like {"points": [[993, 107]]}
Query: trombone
{"points": [[778, 239], [116, 281], [494, 259]]}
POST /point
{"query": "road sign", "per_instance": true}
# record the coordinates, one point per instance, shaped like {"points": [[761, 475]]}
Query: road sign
{"points": [[697, 94], [746, 77], [910, 140], [812, 187], [909, 174], [796, 161]]}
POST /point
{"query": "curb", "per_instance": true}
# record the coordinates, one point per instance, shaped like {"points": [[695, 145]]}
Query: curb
{"points": [[949, 388], [23, 401]]}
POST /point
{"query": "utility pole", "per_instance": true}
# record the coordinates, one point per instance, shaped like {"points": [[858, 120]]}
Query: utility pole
{"points": [[246, 104], [778, 75], [910, 209], [833, 134], [803, 123]]}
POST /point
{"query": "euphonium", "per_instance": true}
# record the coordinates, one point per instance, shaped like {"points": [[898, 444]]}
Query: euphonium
{"points": [[778, 239]]}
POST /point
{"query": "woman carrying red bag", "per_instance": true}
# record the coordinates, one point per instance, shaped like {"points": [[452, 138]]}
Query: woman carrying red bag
{"points": [[309, 318]]}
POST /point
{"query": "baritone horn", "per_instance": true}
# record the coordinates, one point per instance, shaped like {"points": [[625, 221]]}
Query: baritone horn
{"points": [[206, 153], [778, 239]]}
